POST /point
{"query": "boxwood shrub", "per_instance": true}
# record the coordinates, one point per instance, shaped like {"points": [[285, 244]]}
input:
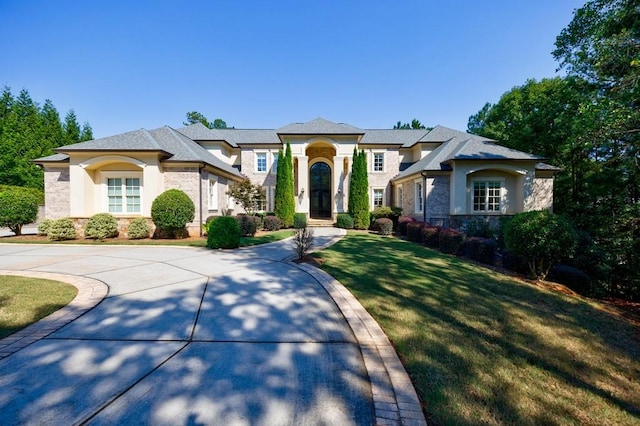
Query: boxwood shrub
{"points": [[402, 224], [224, 232], [414, 231], [451, 241], [384, 226], [61, 229], [272, 223], [431, 236], [171, 211], [101, 226], [344, 221], [43, 227], [138, 228]]}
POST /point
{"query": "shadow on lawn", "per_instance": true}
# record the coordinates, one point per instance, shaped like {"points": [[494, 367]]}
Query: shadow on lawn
{"points": [[482, 348]]}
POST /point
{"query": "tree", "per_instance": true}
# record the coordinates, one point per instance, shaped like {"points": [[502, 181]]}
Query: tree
{"points": [[247, 195], [18, 207], [194, 117], [171, 211], [415, 124], [86, 134], [71, 128], [358, 203], [285, 202]]}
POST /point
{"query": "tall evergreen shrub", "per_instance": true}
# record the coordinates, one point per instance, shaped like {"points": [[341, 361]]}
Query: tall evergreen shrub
{"points": [[285, 203], [358, 204]]}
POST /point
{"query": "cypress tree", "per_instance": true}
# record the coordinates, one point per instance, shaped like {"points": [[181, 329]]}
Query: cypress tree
{"points": [[358, 191], [278, 204], [285, 202]]}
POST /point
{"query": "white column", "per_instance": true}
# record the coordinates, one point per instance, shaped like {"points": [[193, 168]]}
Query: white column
{"points": [[339, 185], [302, 198]]}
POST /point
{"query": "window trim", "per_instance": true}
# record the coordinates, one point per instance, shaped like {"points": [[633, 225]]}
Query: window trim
{"points": [[212, 199], [373, 197], [124, 175], [373, 161], [486, 180], [418, 201], [266, 162]]}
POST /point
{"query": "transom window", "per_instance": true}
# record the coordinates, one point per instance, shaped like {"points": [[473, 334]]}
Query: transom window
{"points": [[487, 196], [261, 161], [378, 198], [378, 161], [123, 195]]}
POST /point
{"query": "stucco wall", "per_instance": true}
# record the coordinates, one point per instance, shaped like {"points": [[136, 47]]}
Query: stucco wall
{"points": [[56, 196]]}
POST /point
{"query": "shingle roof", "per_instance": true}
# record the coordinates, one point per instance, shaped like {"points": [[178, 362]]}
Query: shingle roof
{"points": [[236, 137], [199, 131], [55, 158], [319, 126], [476, 148], [137, 140], [404, 137]]}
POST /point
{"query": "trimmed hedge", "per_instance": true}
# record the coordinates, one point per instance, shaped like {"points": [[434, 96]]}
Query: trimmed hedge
{"points": [[384, 226], [171, 211], [138, 228], [431, 236], [480, 249], [402, 224], [61, 229], [414, 231], [248, 224], [224, 232], [344, 221], [300, 220], [272, 223], [101, 226], [451, 241]]}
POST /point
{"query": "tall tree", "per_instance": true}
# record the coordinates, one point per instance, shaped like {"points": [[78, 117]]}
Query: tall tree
{"points": [[86, 134], [415, 124], [285, 203], [194, 117], [71, 128], [358, 204]]}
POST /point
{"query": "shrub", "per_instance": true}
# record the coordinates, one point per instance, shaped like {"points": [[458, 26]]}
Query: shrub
{"points": [[573, 278], [382, 212], [224, 232], [272, 223], [101, 226], [431, 236], [299, 220], [18, 207], [451, 241], [384, 226], [541, 238], [414, 231], [402, 224], [344, 221], [171, 211], [138, 228], [303, 240], [248, 225], [61, 229], [43, 227], [480, 249]]}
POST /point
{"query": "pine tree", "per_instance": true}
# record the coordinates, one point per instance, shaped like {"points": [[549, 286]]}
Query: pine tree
{"points": [[86, 134], [71, 128]]}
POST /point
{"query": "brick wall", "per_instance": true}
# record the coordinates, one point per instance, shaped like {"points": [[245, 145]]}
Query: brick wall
{"points": [[56, 198]]}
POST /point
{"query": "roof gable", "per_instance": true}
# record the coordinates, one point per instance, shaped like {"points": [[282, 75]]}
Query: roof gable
{"points": [[320, 126]]}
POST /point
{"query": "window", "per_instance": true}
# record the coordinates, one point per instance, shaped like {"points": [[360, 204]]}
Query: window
{"points": [[261, 162], [378, 198], [123, 195], [487, 196], [399, 200], [378, 161], [418, 196], [213, 192]]}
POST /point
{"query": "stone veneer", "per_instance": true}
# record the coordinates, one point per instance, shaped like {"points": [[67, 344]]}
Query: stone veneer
{"points": [[57, 192]]}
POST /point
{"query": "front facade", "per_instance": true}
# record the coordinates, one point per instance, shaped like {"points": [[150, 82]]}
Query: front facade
{"points": [[440, 175]]}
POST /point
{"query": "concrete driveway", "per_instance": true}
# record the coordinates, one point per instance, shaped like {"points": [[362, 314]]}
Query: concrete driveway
{"points": [[194, 336]]}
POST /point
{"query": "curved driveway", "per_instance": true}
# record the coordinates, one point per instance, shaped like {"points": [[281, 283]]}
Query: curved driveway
{"points": [[189, 336]]}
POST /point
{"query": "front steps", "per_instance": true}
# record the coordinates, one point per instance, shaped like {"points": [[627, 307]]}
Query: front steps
{"points": [[315, 223]]}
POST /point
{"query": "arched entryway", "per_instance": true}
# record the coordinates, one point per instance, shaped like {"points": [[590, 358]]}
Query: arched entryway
{"points": [[320, 190]]}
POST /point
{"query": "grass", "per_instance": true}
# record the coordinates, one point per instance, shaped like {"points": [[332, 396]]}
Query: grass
{"points": [[484, 348], [24, 301], [269, 237]]}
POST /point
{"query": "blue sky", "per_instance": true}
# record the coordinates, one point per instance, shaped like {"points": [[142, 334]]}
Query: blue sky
{"points": [[125, 65]]}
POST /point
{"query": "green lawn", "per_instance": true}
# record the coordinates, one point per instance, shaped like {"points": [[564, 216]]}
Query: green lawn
{"points": [[483, 348], [24, 301]]}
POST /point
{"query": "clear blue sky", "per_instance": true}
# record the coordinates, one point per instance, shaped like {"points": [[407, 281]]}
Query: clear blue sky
{"points": [[124, 65]]}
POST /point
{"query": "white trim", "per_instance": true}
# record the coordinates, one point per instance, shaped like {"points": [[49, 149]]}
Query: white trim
{"points": [[486, 179], [373, 162], [212, 198], [417, 196], [266, 161], [373, 197], [124, 175], [399, 196]]}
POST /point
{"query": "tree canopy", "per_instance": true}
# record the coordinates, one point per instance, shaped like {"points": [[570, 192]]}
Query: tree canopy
{"points": [[415, 124], [194, 117]]}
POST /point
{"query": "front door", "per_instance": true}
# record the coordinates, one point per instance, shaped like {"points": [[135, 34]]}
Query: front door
{"points": [[320, 197]]}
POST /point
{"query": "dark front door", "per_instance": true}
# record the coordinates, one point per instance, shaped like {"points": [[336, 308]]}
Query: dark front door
{"points": [[320, 197]]}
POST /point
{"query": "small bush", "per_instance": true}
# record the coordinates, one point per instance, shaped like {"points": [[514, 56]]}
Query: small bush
{"points": [[402, 224], [480, 249], [299, 220], [138, 228], [224, 232], [303, 240], [344, 221], [573, 278], [18, 207], [414, 231], [451, 241], [248, 225], [381, 212], [384, 226], [43, 227], [101, 226], [61, 229], [431, 236], [171, 211], [272, 223]]}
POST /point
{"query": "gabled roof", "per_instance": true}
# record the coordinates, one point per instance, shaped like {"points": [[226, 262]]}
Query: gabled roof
{"points": [[477, 148], [319, 126], [55, 158], [137, 140], [199, 132], [404, 137], [236, 137]]}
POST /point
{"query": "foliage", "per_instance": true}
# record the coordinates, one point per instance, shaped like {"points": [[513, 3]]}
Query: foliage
{"points": [[403, 221], [451, 241], [285, 203], [414, 231], [431, 236], [43, 227], [303, 240], [415, 124], [62, 229], [572, 277], [247, 195], [344, 221], [358, 204], [384, 226], [300, 220], [272, 223], [101, 226], [138, 229], [18, 207], [171, 211], [480, 249], [194, 117], [541, 238], [248, 225], [379, 212], [224, 232]]}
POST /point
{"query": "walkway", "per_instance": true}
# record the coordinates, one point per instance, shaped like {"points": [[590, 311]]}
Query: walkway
{"points": [[194, 336]]}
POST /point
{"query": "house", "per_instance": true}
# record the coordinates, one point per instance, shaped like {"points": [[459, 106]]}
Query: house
{"points": [[441, 175]]}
